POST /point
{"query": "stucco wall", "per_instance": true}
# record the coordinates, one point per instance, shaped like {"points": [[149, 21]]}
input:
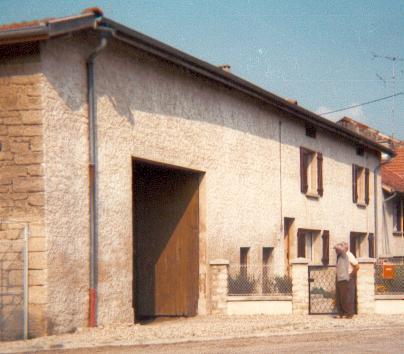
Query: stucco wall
{"points": [[153, 110]]}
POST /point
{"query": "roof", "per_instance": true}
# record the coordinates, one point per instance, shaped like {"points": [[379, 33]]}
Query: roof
{"points": [[393, 171], [94, 19]]}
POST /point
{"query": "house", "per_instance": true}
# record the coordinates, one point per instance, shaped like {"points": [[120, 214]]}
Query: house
{"points": [[135, 165], [392, 174]]}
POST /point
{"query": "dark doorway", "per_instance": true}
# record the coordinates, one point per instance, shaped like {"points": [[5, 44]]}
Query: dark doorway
{"points": [[166, 252]]}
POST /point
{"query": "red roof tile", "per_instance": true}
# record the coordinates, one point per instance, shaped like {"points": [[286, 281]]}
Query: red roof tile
{"points": [[393, 171]]}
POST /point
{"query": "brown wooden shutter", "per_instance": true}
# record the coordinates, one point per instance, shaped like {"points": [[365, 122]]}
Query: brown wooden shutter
{"points": [[371, 240], [326, 247], [352, 244], [303, 171], [320, 189], [354, 185], [367, 186], [398, 215], [301, 244]]}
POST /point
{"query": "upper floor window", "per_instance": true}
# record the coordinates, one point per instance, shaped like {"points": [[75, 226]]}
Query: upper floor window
{"points": [[360, 185], [398, 216], [311, 172]]}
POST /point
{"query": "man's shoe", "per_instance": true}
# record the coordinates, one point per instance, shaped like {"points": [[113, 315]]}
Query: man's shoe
{"points": [[349, 317]]}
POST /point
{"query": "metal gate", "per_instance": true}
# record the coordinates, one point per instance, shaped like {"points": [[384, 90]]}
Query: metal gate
{"points": [[321, 290]]}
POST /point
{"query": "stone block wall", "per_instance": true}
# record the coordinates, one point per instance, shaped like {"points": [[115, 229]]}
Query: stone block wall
{"points": [[219, 273], [21, 196]]}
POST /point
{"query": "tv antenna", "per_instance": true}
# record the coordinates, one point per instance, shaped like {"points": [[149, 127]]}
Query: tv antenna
{"points": [[393, 78]]}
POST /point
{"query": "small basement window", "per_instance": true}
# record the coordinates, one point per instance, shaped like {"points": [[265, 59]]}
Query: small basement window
{"points": [[360, 150], [244, 260], [311, 131]]}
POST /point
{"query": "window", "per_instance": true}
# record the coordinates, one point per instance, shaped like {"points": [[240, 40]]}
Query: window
{"points": [[398, 216], [311, 172], [308, 245], [266, 261], [311, 131], [360, 150], [360, 185], [357, 245], [244, 260]]}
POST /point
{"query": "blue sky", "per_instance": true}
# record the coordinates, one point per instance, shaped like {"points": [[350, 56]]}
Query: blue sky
{"points": [[318, 52]]}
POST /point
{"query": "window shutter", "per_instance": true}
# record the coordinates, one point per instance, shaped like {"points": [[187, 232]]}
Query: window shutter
{"points": [[326, 247], [354, 185], [398, 214], [301, 244], [303, 171], [367, 186], [371, 240], [352, 244], [320, 189]]}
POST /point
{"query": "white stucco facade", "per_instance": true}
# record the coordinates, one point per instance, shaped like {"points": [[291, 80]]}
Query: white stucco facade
{"points": [[149, 109]]}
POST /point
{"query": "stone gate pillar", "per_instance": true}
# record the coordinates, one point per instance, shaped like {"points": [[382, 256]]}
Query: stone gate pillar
{"points": [[218, 285], [300, 286], [365, 286]]}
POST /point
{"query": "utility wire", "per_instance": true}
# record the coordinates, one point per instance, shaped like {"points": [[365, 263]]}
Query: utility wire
{"points": [[363, 104]]}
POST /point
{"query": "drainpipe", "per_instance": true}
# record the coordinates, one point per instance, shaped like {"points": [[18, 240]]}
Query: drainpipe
{"points": [[92, 118]]}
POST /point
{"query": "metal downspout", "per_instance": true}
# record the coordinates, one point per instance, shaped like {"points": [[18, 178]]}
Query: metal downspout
{"points": [[92, 118]]}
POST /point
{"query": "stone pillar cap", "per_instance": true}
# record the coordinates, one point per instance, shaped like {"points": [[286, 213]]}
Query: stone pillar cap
{"points": [[219, 262], [299, 260], [367, 260]]}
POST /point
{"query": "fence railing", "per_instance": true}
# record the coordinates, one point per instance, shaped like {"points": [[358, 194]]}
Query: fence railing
{"points": [[257, 280], [389, 279]]}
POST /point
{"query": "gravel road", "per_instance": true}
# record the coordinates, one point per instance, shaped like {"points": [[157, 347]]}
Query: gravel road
{"points": [[212, 329], [384, 341]]}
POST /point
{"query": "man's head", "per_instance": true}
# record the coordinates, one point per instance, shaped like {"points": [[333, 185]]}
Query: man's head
{"points": [[345, 245], [339, 248]]}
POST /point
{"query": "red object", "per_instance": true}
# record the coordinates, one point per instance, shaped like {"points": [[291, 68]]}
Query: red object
{"points": [[92, 321], [388, 271]]}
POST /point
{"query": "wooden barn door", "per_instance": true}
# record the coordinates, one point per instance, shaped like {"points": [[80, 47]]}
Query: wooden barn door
{"points": [[166, 241]]}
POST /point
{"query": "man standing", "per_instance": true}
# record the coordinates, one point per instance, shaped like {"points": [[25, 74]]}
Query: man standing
{"points": [[344, 305], [353, 271]]}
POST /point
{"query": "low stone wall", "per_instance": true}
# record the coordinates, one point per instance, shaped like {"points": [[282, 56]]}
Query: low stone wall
{"points": [[389, 304], [259, 305]]}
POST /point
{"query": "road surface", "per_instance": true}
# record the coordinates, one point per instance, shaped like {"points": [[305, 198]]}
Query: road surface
{"points": [[388, 340]]}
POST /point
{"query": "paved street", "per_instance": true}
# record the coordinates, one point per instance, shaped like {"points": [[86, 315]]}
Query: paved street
{"points": [[385, 341], [219, 334]]}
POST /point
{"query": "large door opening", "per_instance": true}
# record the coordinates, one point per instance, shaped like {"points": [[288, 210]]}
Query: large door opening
{"points": [[166, 240]]}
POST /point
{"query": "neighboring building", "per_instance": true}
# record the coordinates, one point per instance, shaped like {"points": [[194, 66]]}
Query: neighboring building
{"points": [[393, 217], [392, 237], [189, 163]]}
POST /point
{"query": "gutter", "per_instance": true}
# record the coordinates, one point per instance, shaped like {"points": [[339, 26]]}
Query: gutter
{"points": [[163, 51], [56, 27], [50, 28]]}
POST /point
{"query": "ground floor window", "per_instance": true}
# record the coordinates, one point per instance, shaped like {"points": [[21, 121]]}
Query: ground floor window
{"points": [[398, 216]]}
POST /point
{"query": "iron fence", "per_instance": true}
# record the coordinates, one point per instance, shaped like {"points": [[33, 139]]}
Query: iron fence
{"points": [[389, 279], [13, 280], [257, 280]]}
